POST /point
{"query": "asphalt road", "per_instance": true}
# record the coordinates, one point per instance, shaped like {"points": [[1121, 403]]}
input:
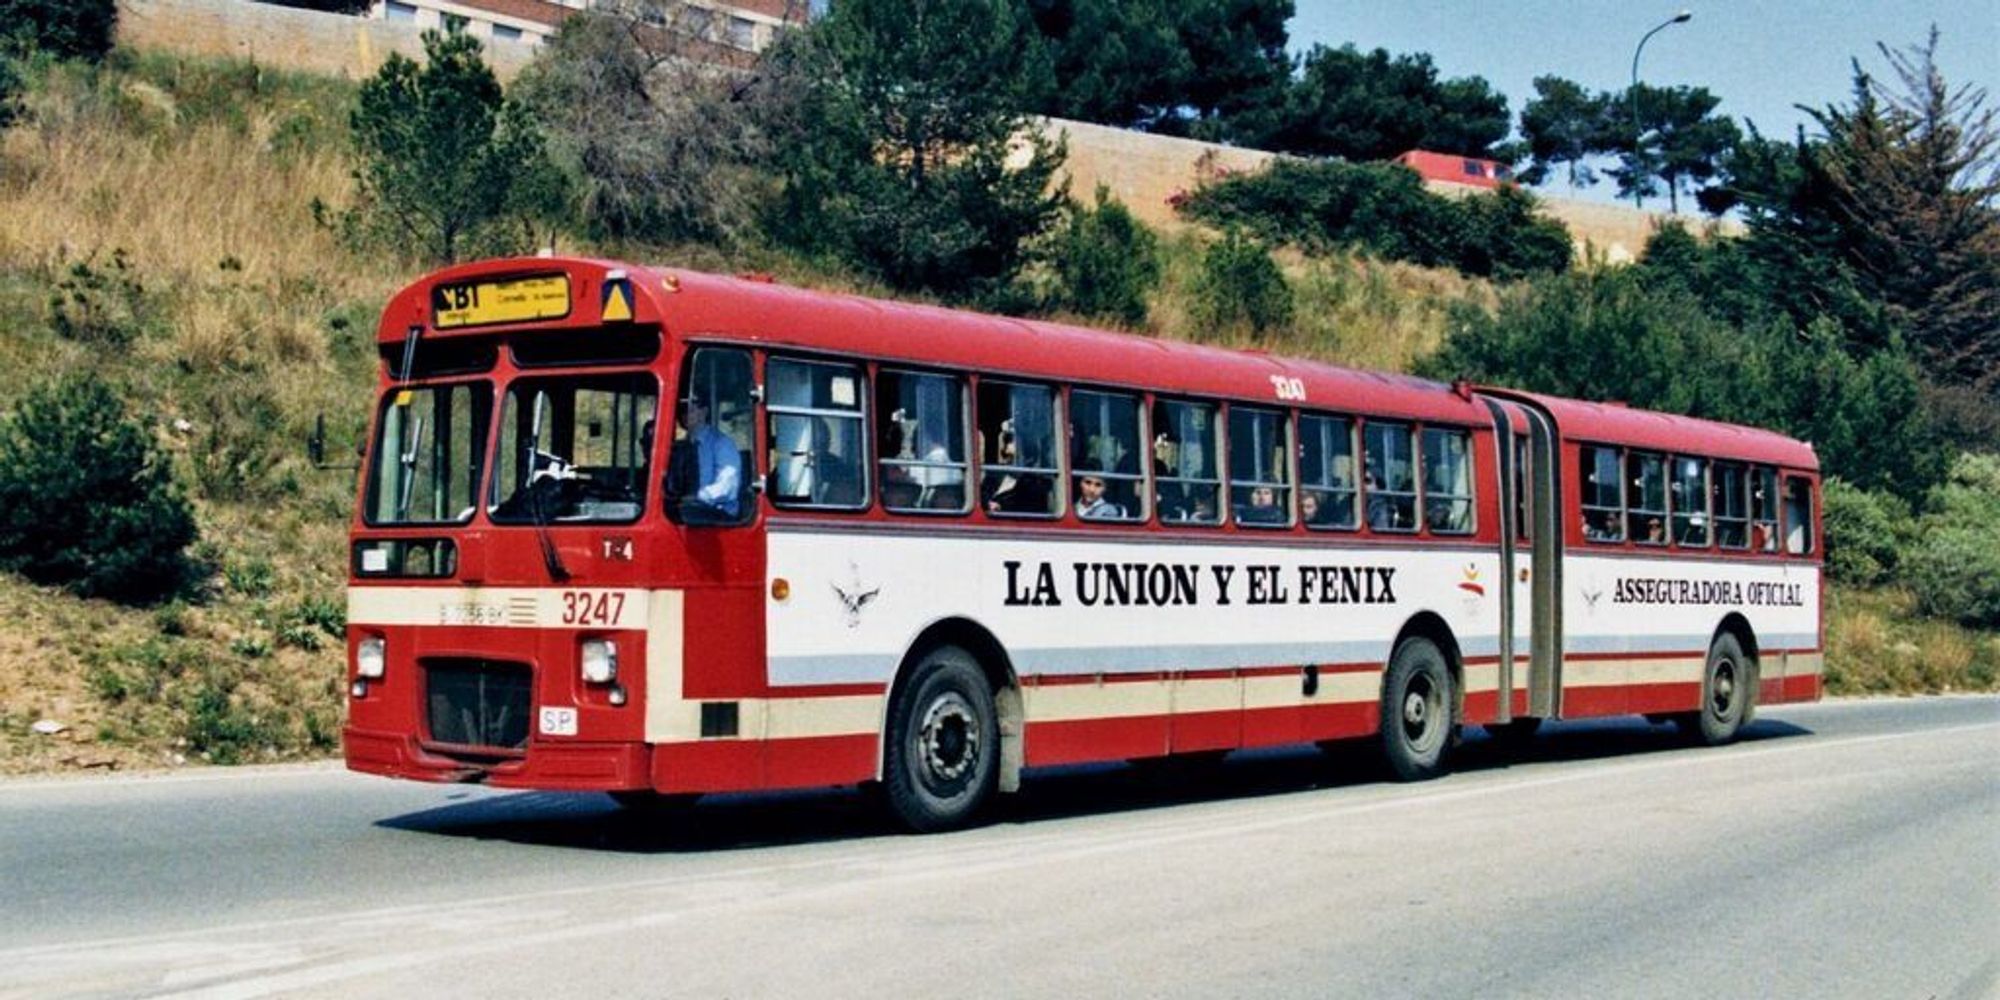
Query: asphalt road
{"points": [[1846, 849]]}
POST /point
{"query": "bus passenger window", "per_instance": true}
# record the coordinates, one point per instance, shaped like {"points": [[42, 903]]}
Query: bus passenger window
{"points": [[1105, 455], [920, 435], [1326, 472], [1690, 501], [817, 450], [1603, 495], [1019, 475], [1798, 516], [1389, 477], [1646, 484], [708, 466], [1732, 506], [1764, 509], [1187, 473], [1447, 481], [1260, 472]]}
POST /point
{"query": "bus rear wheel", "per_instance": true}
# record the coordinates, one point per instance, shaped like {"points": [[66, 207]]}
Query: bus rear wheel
{"points": [[941, 766], [1727, 683], [1417, 703]]}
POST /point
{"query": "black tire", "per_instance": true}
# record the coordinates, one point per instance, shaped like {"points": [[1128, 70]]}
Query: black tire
{"points": [[1516, 735], [655, 805], [941, 765], [1728, 683], [1417, 708]]}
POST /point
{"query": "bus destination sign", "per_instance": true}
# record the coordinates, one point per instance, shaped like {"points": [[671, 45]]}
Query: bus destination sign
{"points": [[484, 303]]}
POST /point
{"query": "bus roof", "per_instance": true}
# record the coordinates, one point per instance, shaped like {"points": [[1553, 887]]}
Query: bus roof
{"points": [[694, 304], [1616, 423]]}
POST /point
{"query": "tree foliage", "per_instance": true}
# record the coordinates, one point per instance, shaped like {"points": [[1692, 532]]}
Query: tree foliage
{"points": [[1105, 262], [1116, 62], [664, 147], [1666, 137], [1385, 209], [1954, 569], [66, 29], [1611, 333], [1563, 125], [87, 500], [1374, 106], [1910, 181], [908, 172], [1240, 288], [445, 159]]}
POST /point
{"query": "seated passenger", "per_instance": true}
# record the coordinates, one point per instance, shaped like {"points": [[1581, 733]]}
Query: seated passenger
{"points": [[1309, 508], [718, 467], [1090, 502], [1262, 509]]}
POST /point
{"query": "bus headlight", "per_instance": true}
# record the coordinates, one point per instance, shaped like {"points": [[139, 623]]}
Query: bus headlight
{"points": [[600, 661], [371, 658]]}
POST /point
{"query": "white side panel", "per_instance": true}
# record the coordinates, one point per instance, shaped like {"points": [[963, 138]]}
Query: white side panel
{"points": [[1624, 605], [859, 599]]}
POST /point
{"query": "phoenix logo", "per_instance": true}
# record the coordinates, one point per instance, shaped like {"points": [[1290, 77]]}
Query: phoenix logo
{"points": [[1471, 584], [853, 598], [1590, 597]]}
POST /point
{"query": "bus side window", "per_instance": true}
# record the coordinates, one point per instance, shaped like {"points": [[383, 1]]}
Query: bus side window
{"points": [[817, 445], [1764, 509], [920, 436], [1603, 495], [1732, 506], [1187, 473], [1447, 481], [1260, 471], [1646, 484], [709, 472], [1326, 472], [1106, 457], [1798, 516], [1020, 474], [1389, 476], [1690, 488]]}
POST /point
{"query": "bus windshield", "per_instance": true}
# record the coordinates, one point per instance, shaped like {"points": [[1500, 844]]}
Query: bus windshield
{"points": [[427, 454], [574, 449]]}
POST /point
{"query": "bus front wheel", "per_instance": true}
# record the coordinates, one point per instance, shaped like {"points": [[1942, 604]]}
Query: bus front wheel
{"points": [[942, 760], [1417, 722]]}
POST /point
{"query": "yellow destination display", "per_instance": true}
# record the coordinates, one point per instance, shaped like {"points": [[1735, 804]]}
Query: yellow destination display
{"points": [[483, 303]]}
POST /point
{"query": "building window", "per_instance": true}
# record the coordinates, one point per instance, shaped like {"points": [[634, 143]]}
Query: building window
{"points": [[502, 33], [742, 32], [393, 11]]}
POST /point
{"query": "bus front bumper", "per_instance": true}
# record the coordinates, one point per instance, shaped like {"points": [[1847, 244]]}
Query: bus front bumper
{"points": [[556, 766]]}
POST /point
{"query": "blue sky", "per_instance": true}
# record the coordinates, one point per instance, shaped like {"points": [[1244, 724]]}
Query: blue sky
{"points": [[1761, 58]]}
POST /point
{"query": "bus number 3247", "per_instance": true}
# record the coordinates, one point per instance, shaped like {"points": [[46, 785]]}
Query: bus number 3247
{"points": [[581, 607]]}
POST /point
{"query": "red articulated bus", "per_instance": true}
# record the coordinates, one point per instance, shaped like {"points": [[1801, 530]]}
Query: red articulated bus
{"points": [[658, 533]]}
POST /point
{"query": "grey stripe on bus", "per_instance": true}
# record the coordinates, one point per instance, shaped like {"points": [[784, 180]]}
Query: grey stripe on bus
{"points": [[1692, 643], [866, 668]]}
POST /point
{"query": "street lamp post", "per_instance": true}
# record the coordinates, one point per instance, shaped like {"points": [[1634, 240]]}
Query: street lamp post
{"points": [[1638, 190]]}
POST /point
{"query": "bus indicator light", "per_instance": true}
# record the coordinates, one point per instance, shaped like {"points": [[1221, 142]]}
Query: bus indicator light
{"points": [[781, 588]]}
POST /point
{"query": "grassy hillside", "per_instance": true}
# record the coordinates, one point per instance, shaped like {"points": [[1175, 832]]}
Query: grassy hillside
{"points": [[159, 227]]}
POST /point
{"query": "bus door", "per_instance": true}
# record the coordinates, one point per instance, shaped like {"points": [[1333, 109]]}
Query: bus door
{"points": [[1530, 558]]}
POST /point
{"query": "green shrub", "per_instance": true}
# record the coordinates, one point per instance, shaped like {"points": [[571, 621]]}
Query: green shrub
{"points": [[86, 498], [1105, 263], [64, 28], [1864, 533], [1954, 569], [1384, 209], [103, 305], [1241, 286]]}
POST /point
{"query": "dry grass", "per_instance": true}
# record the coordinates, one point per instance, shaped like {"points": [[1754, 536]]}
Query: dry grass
{"points": [[1876, 644], [1349, 309]]}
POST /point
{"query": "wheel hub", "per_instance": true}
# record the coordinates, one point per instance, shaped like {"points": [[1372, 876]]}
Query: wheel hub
{"points": [[1723, 696], [949, 738]]}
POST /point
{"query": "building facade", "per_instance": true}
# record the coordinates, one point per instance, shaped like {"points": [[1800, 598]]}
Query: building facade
{"points": [[741, 25]]}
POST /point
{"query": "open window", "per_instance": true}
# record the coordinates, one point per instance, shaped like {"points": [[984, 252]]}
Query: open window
{"points": [[1260, 470], [1105, 452], [1603, 495], [710, 475], [1389, 475], [1328, 484], [1646, 486], [1447, 481], [1020, 471], [920, 436]]}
